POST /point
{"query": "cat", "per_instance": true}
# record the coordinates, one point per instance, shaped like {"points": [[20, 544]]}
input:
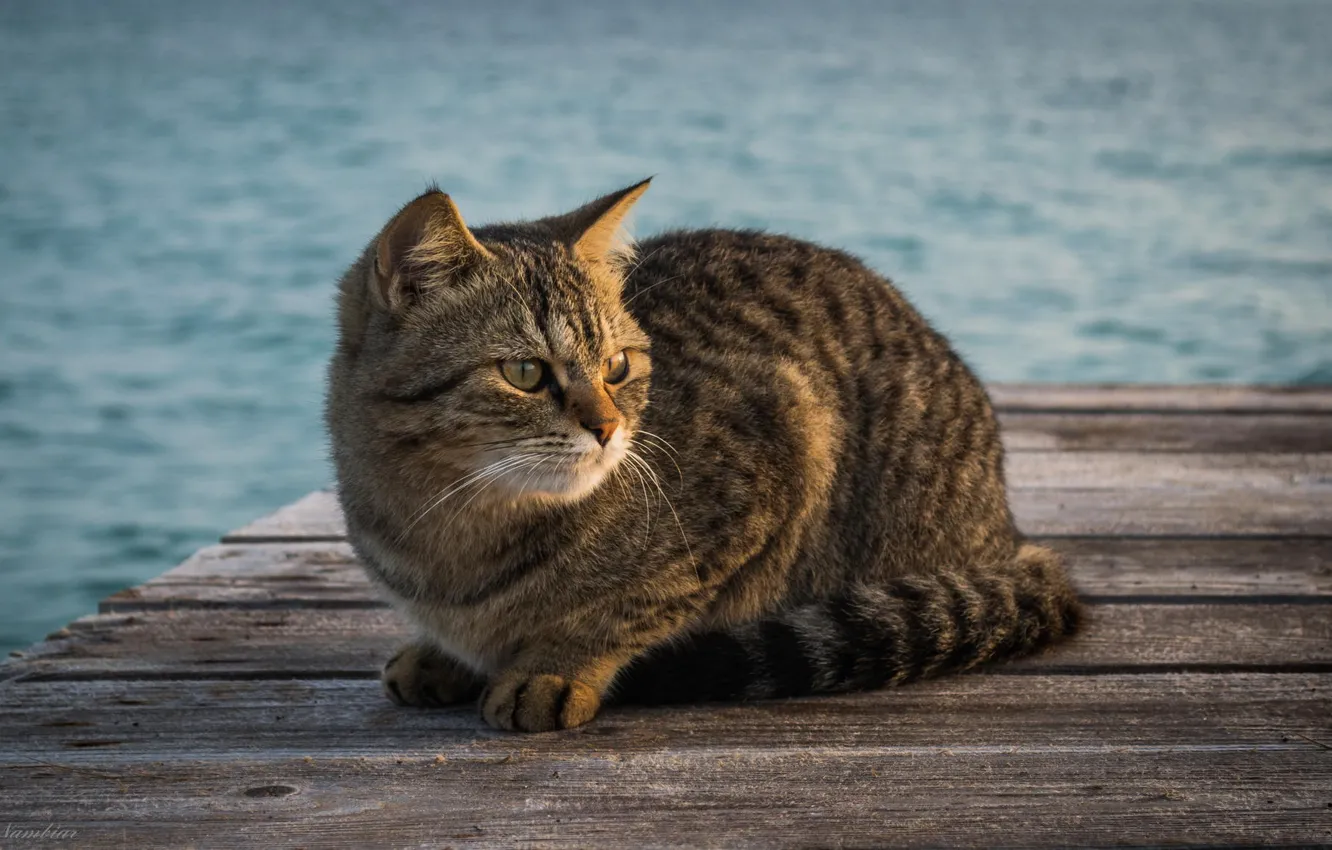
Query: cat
{"points": [[715, 465]]}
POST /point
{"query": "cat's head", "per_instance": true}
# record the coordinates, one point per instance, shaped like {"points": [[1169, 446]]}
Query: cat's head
{"points": [[501, 358]]}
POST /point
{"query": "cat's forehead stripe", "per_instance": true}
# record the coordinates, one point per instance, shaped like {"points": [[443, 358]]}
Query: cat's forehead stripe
{"points": [[568, 320], [590, 327]]}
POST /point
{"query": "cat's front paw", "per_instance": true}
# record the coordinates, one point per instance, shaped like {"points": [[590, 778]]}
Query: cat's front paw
{"points": [[523, 702], [422, 676]]}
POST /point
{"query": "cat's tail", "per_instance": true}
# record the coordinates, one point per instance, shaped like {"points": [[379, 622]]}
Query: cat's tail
{"points": [[868, 636]]}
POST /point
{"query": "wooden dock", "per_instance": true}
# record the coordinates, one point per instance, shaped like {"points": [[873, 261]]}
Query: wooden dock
{"points": [[234, 700]]}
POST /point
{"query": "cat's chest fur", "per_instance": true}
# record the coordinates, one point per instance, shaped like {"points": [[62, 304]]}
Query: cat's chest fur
{"points": [[478, 601]]}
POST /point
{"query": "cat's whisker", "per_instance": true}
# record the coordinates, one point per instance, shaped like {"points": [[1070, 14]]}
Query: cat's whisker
{"points": [[485, 485], [530, 472], [472, 480], [659, 439], [640, 293], [684, 537], [642, 472], [512, 441], [532, 442], [647, 509], [525, 462], [640, 261], [489, 470], [438, 500], [658, 444], [624, 487], [655, 449]]}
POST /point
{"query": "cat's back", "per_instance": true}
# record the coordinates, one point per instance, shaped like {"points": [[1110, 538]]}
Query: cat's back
{"points": [[751, 294], [721, 264]]}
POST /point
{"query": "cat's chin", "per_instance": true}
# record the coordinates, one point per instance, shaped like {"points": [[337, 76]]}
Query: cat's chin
{"points": [[564, 482]]}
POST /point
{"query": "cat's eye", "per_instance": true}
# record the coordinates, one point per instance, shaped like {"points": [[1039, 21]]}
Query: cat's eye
{"points": [[616, 368], [526, 375]]}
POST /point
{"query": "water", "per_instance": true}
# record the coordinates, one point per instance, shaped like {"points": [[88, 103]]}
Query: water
{"points": [[1075, 191]]}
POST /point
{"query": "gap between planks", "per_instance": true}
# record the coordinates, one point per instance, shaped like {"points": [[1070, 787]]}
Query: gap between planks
{"points": [[1166, 433]]}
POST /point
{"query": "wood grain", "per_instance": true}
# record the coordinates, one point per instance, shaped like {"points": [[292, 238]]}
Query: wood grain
{"points": [[1113, 569], [941, 798], [343, 718], [334, 643], [315, 516], [263, 575]]}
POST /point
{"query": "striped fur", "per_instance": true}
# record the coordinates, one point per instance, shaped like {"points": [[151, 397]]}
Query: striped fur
{"points": [[803, 492], [867, 636]]}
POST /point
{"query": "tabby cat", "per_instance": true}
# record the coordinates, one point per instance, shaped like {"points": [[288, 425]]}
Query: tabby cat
{"points": [[715, 465]]}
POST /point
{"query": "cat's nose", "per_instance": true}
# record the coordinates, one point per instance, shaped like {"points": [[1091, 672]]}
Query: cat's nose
{"points": [[594, 410], [603, 431]]}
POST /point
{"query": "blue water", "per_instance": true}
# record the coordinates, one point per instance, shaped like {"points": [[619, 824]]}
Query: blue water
{"points": [[1074, 190]]}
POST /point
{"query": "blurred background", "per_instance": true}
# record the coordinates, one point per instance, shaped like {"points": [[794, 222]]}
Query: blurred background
{"points": [[1074, 190]]}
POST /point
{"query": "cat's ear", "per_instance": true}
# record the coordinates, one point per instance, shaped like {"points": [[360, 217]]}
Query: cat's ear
{"points": [[596, 230], [423, 245]]}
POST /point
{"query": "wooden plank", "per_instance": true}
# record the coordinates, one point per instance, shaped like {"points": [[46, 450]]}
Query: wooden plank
{"points": [[1252, 570], [265, 575], [1214, 398], [315, 516], [215, 643], [976, 761], [314, 575], [342, 643], [794, 798], [352, 718], [1304, 511], [1167, 432], [1170, 512]]}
